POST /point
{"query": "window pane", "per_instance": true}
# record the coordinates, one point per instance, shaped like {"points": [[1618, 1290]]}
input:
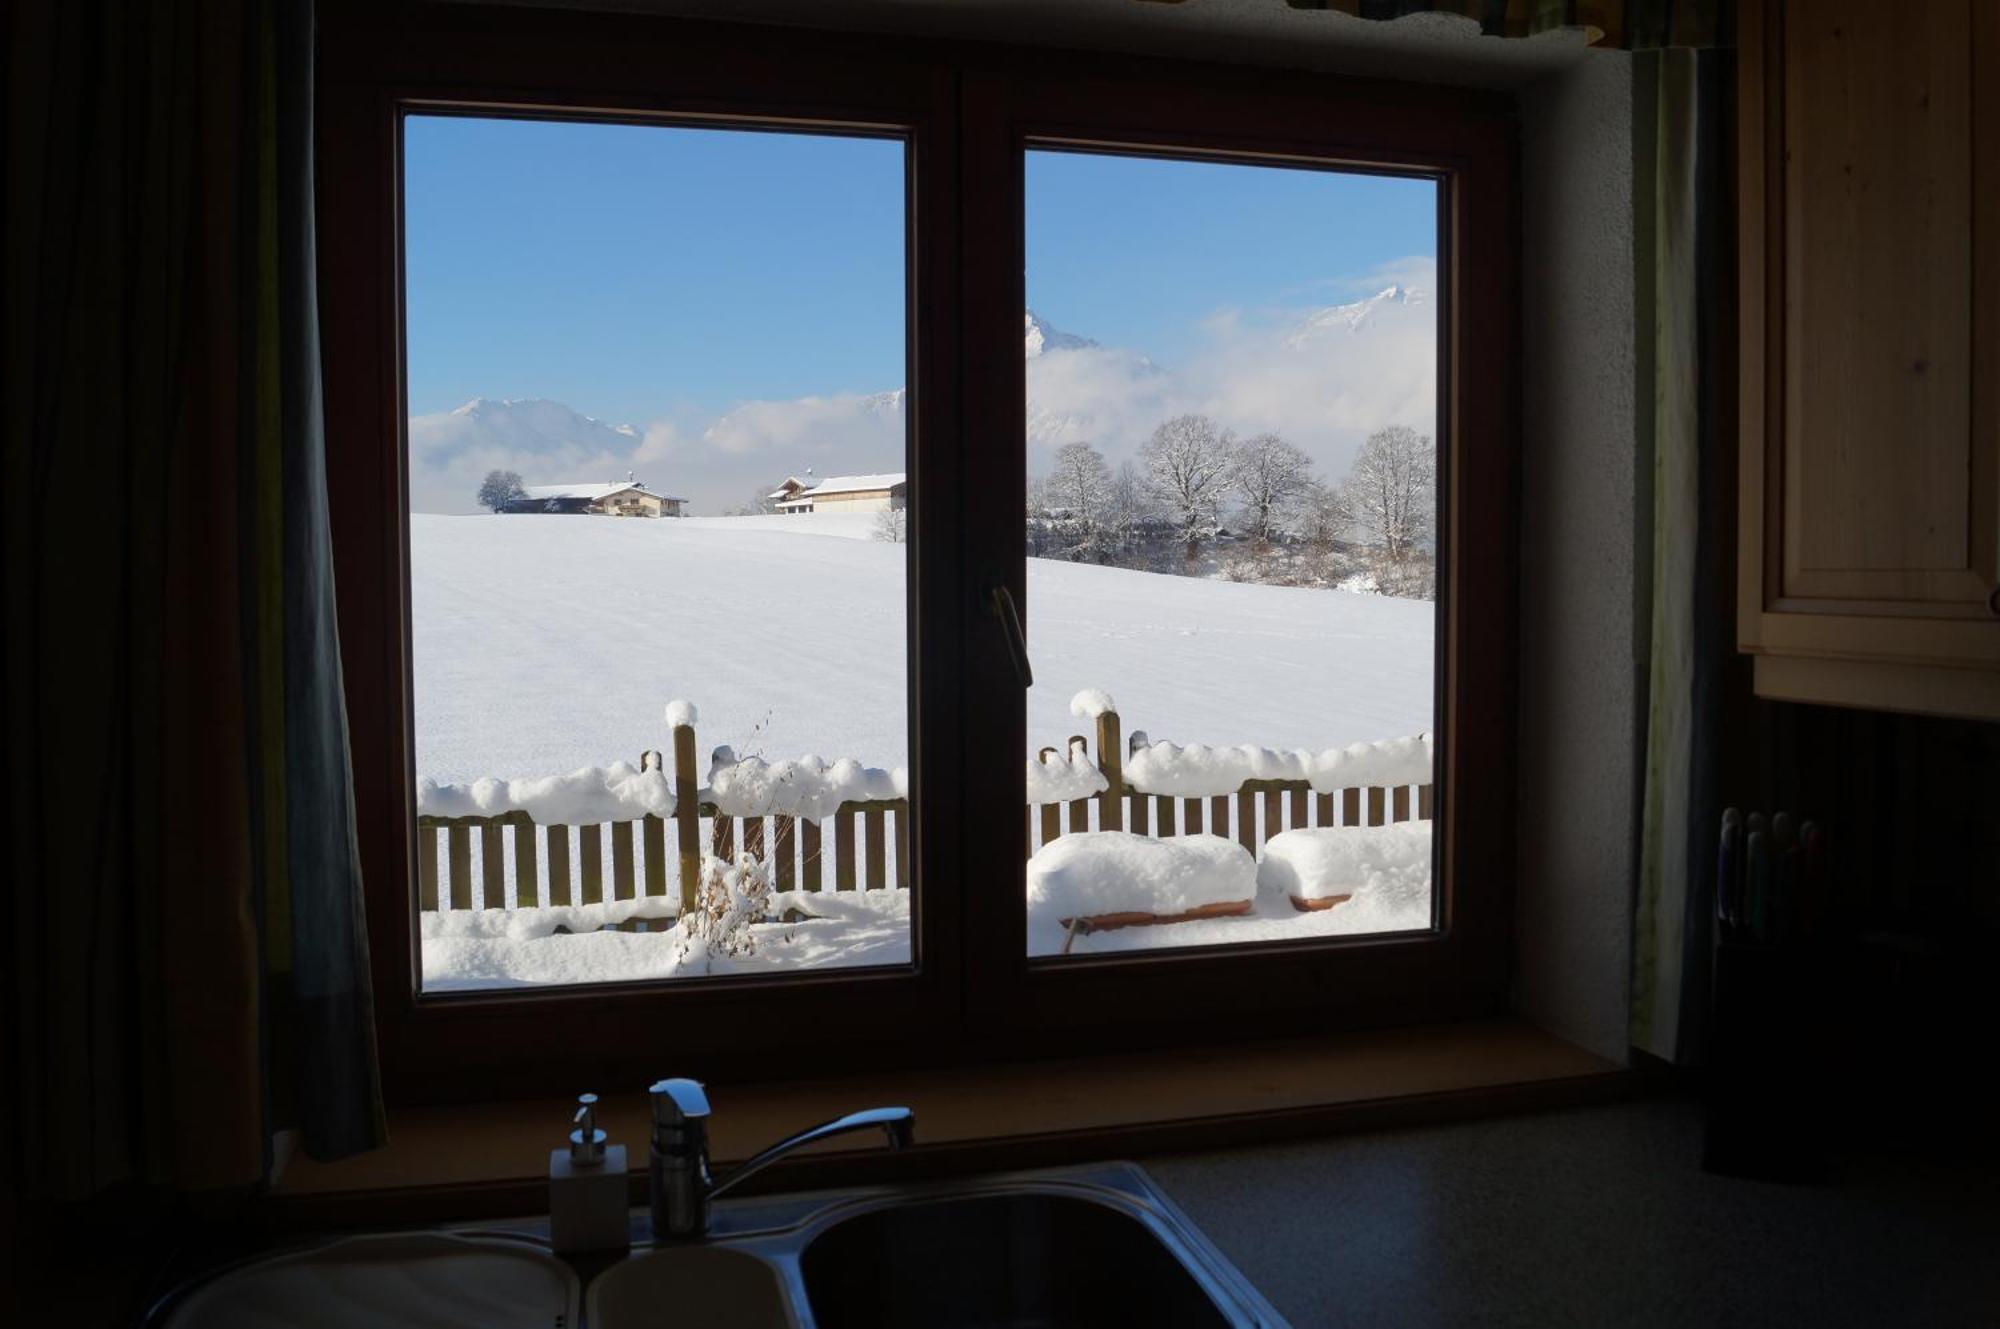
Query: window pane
{"points": [[1232, 397], [657, 494]]}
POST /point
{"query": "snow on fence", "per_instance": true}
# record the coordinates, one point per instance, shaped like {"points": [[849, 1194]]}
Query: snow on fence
{"points": [[525, 830], [1251, 793]]}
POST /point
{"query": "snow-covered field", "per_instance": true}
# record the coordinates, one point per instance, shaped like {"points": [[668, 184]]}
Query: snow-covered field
{"points": [[543, 644]]}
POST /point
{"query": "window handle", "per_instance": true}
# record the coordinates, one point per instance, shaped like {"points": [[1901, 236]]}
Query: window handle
{"points": [[1000, 603]]}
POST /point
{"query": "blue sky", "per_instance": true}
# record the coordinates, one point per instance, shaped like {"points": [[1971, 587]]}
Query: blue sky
{"points": [[629, 271], [1139, 252], [641, 273]]}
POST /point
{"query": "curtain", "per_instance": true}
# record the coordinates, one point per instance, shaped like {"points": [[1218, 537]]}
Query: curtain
{"points": [[189, 963], [1635, 25], [1686, 290]]}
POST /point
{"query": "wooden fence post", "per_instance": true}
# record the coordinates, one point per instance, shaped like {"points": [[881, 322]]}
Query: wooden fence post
{"points": [[590, 860], [1079, 808], [492, 867], [557, 840], [427, 868], [1111, 760], [458, 837], [877, 873], [621, 860], [809, 853], [687, 814], [527, 893], [843, 849], [784, 845]]}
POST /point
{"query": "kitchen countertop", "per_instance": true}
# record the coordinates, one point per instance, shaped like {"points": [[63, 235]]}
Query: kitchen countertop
{"points": [[1590, 1216]]}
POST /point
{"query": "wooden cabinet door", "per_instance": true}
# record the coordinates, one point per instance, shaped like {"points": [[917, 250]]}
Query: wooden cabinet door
{"points": [[1871, 352]]}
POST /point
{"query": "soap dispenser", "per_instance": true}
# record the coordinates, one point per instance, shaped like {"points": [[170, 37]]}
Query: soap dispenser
{"points": [[588, 1205]]}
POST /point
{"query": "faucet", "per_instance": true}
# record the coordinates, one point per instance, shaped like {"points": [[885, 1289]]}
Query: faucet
{"points": [[681, 1184]]}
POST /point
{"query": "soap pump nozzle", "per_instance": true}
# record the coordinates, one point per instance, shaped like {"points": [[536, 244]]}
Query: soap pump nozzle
{"points": [[586, 1142]]}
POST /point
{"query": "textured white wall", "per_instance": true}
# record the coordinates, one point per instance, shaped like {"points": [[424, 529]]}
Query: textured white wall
{"points": [[1580, 518]]}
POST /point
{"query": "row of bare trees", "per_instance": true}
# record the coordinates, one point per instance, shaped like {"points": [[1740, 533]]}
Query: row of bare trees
{"points": [[1175, 504]]}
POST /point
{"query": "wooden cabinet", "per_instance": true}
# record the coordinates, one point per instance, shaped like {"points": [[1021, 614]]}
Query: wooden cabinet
{"points": [[1869, 181]]}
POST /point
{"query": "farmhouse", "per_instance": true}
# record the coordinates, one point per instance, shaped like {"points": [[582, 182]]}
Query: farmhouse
{"points": [[628, 498], [843, 493]]}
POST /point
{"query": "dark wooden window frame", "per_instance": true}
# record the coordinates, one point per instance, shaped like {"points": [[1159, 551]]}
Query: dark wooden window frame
{"points": [[967, 113]]}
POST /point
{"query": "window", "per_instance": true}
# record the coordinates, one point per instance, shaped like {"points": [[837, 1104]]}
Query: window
{"points": [[697, 727], [1232, 578], [974, 181]]}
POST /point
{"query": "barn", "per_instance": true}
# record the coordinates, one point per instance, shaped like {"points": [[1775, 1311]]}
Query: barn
{"points": [[627, 498]]}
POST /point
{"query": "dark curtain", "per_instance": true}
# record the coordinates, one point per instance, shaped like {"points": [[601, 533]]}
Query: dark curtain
{"points": [[189, 967]]}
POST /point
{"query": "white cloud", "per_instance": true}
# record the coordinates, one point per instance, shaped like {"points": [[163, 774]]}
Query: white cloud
{"points": [[825, 428], [1323, 376]]}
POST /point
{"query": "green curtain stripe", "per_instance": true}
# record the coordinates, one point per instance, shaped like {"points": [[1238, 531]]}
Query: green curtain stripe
{"points": [[1665, 866]]}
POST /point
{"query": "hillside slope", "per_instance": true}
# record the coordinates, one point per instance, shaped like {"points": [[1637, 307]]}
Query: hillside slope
{"points": [[547, 643]]}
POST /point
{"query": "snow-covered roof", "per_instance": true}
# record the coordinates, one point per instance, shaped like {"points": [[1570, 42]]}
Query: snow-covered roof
{"points": [[791, 485], [857, 484], [591, 493]]}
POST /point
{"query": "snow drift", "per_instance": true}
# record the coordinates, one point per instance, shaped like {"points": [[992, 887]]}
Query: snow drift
{"points": [[1391, 864], [1108, 872], [1199, 771], [584, 797]]}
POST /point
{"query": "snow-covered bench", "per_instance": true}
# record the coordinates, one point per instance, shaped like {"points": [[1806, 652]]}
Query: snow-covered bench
{"points": [[1094, 880], [1325, 866]]}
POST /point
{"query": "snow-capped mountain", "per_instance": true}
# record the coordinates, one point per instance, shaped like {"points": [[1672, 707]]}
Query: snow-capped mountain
{"points": [[546, 441], [531, 424], [1353, 317], [1041, 337]]}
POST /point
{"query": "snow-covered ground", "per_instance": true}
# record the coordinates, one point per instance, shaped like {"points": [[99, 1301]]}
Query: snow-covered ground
{"points": [[544, 644], [547, 644], [500, 948]]}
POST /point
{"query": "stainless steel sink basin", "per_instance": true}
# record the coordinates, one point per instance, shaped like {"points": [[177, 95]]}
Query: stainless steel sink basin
{"points": [[1021, 1258], [691, 1285]]}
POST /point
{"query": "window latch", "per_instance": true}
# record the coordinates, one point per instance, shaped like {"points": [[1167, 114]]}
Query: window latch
{"points": [[1000, 603]]}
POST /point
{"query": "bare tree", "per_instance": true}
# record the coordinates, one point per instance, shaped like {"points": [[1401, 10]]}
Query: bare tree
{"points": [[1326, 516], [500, 488], [1392, 488], [760, 504], [1073, 498], [1079, 481], [1270, 476], [1187, 466], [890, 524]]}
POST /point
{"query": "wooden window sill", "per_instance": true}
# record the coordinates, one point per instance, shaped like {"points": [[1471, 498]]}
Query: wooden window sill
{"points": [[464, 1162]]}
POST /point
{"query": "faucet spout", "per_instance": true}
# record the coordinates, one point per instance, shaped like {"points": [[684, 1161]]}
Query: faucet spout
{"points": [[682, 1184], [898, 1125]]}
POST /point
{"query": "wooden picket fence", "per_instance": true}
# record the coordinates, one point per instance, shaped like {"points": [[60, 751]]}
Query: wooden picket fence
{"points": [[849, 850], [463, 862], [1283, 804]]}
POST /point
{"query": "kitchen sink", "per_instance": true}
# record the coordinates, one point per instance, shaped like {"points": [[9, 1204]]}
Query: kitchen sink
{"points": [[1020, 1258], [1097, 1245]]}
